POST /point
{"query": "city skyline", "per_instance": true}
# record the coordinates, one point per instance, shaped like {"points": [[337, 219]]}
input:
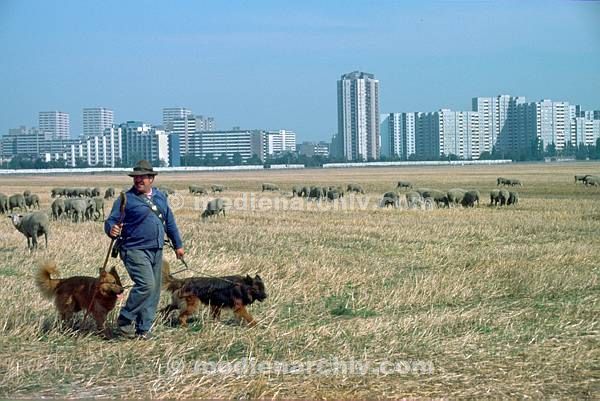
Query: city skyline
{"points": [[273, 66]]}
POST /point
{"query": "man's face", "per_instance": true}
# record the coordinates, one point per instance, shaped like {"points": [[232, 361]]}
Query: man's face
{"points": [[143, 183]]}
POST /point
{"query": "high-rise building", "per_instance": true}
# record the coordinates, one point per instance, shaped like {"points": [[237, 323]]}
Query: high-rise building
{"points": [[397, 135], [585, 131], [553, 123], [56, 123], [498, 122], [171, 113], [96, 120], [358, 117], [427, 136], [459, 134]]}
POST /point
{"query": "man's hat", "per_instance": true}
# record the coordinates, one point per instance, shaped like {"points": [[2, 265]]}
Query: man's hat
{"points": [[143, 167]]}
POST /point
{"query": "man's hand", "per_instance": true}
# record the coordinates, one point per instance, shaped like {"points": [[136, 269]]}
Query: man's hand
{"points": [[179, 253], [115, 231]]}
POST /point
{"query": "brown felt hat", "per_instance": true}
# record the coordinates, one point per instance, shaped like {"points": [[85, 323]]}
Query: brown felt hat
{"points": [[143, 167]]}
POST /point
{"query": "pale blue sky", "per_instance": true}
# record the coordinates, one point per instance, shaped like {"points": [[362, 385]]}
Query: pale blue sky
{"points": [[274, 64]]}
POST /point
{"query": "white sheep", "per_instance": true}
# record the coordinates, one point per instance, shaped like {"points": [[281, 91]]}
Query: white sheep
{"points": [[32, 225]]}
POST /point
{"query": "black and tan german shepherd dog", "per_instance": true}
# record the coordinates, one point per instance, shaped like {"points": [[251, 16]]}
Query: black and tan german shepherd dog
{"points": [[230, 292]]}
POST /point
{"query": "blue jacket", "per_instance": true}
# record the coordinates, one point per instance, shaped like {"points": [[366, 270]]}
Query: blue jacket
{"points": [[142, 229]]}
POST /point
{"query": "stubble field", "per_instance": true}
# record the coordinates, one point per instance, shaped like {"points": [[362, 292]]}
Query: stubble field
{"points": [[363, 302]]}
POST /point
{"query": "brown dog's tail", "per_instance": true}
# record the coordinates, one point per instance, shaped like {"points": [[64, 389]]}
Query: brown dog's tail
{"points": [[169, 282], [45, 283]]}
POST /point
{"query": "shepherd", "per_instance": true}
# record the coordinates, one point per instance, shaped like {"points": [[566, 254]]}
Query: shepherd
{"points": [[140, 231]]}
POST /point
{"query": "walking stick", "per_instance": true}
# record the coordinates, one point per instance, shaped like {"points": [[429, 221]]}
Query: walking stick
{"points": [[121, 217]]}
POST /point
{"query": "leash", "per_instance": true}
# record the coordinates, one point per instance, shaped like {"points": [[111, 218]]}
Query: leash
{"points": [[110, 247], [187, 267]]}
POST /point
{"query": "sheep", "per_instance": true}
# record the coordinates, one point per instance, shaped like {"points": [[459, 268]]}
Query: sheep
{"points": [[77, 208], [440, 198], [355, 188], [456, 195], [95, 192], [390, 199], [217, 188], [404, 184], [98, 207], [195, 190], [592, 180], [213, 208], [470, 198], [3, 203], [26, 193], [504, 195], [32, 201], [414, 199], [17, 201], [513, 198], [297, 190], [269, 187], [333, 194], [109, 193], [32, 226], [58, 208], [494, 197]]}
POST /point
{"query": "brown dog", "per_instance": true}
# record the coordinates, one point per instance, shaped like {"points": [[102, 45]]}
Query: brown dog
{"points": [[232, 292], [97, 295]]}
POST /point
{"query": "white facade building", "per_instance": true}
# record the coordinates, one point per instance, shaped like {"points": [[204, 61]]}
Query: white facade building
{"points": [[56, 123], [358, 117], [277, 142], [398, 135], [459, 134], [171, 113], [553, 123], [96, 120], [498, 122], [585, 130]]}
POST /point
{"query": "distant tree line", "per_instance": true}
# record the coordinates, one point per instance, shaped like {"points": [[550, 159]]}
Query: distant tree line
{"points": [[537, 151]]}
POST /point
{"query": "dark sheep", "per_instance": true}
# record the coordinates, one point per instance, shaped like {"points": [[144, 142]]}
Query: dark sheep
{"points": [[195, 190], [404, 184], [513, 198], [470, 198], [333, 194], [355, 188], [213, 208], [390, 199], [269, 187], [109, 193]]}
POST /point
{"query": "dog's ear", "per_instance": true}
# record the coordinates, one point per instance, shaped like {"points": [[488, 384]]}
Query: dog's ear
{"points": [[257, 277]]}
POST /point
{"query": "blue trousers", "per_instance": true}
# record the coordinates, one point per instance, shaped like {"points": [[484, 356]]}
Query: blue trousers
{"points": [[144, 267]]}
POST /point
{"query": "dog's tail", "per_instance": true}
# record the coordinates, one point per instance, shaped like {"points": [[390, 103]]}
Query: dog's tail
{"points": [[169, 282], [45, 283]]}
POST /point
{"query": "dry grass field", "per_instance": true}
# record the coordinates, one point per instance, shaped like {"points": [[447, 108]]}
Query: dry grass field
{"points": [[363, 302]]}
